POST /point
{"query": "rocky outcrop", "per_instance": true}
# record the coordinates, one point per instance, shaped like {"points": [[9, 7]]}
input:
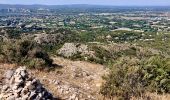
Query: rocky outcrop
{"points": [[19, 85], [53, 36], [71, 49], [46, 38]]}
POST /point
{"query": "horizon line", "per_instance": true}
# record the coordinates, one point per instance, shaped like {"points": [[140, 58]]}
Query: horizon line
{"points": [[88, 5]]}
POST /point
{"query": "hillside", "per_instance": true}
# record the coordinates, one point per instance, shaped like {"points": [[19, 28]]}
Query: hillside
{"points": [[75, 79], [84, 52]]}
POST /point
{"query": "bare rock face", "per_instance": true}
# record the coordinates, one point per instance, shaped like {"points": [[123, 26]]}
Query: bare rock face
{"points": [[19, 85], [71, 49], [46, 38], [68, 50]]}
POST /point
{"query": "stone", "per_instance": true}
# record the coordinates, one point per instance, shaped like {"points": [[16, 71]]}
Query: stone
{"points": [[72, 97], [16, 95], [71, 49], [1, 96], [34, 81], [68, 50], [11, 98], [40, 95], [18, 80], [14, 87], [4, 88], [29, 85], [22, 86], [57, 82], [19, 90], [24, 91], [23, 73], [9, 74], [32, 95], [25, 97], [11, 81]]}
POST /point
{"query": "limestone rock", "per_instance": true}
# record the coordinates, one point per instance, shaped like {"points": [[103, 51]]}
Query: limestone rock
{"points": [[71, 49], [21, 86], [9, 74]]}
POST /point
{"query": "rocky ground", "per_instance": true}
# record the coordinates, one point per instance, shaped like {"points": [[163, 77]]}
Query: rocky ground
{"points": [[71, 49], [72, 80], [20, 85]]}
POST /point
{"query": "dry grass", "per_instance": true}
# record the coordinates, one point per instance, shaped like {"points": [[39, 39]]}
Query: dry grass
{"points": [[148, 96], [153, 96], [65, 75]]}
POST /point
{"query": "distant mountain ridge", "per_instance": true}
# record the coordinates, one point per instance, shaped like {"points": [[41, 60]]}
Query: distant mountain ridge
{"points": [[36, 6], [85, 8], [4, 6]]}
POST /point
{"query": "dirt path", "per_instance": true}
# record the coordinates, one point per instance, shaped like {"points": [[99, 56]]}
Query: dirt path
{"points": [[75, 79]]}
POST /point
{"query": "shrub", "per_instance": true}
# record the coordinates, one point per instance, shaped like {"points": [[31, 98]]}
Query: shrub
{"points": [[25, 52], [132, 77], [101, 55], [10, 52], [157, 74], [124, 80], [35, 63]]}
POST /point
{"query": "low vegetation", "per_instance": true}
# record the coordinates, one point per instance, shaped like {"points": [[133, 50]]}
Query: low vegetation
{"points": [[131, 77], [24, 52]]}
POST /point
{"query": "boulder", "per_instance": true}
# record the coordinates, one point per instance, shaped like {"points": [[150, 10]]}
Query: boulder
{"points": [[68, 50], [71, 49]]}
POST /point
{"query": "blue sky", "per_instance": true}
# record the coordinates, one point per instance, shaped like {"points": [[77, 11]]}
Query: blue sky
{"points": [[97, 2]]}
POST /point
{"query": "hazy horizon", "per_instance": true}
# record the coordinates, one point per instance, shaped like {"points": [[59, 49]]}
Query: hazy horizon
{"points": [[90, 2]]}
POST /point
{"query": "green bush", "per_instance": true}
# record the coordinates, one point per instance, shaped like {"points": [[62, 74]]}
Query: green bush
{"points": [[25, 52], [157, 74], [35, 63], [124, 80], [133, 77], [101, 55]]}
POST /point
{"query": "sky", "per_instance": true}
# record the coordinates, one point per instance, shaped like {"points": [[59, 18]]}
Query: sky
{"points": [[94, 2]]}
